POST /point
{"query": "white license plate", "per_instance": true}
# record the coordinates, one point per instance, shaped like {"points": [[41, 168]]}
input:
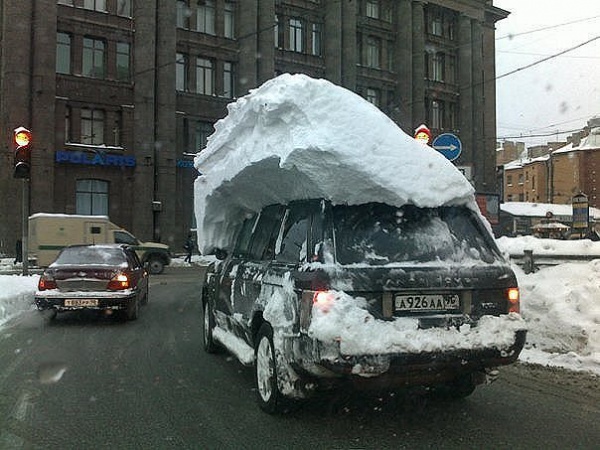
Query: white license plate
{"points": [[81, 302], [427, 302]]}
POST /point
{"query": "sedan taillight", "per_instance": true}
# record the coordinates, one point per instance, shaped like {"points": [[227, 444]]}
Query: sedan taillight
{"points": [[46, 282], [119, 282]]}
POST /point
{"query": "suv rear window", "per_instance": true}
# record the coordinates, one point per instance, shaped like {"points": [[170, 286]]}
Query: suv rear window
{"points": [[379, 234]]}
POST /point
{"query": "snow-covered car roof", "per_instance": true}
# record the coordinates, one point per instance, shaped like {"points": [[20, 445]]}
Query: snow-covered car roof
{"points": [[296, 138]]}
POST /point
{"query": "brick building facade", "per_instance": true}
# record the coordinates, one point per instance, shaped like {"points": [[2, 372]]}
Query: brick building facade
{"points": [[558, 176], [121, 93]]}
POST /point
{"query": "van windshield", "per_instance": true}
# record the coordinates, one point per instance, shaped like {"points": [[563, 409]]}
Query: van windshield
{"points": [[378, 234]]}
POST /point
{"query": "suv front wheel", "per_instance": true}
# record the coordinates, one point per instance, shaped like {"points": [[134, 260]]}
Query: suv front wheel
{"points": [[207, 330]]}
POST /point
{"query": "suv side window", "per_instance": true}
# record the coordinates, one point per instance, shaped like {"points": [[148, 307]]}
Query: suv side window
{"points": [[265, 233], [293, 245], [243, 241]]}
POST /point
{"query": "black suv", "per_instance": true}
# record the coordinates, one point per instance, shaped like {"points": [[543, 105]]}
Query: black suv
{"points": [[315, 293]]}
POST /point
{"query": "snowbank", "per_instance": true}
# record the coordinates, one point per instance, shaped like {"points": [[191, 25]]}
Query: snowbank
{"points": [[295, 138], [16, 295]]}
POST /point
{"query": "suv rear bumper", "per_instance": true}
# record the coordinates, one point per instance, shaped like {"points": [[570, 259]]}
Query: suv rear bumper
{"points": [[406, 368]]}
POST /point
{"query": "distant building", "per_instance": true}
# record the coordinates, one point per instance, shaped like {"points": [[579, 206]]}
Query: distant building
{"points": [[560, 174], [120, 94]]}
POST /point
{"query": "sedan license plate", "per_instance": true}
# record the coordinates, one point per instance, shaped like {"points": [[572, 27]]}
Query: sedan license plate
{"points": [[81, 302], [427, 302]]}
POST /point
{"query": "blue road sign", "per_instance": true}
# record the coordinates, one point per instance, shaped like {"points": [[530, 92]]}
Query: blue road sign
{"points": [[448, 144]]}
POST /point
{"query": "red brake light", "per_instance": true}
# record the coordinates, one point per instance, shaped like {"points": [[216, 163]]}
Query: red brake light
{"points": [[119, 281], [46, 282], [324, 300], [512, 294]]}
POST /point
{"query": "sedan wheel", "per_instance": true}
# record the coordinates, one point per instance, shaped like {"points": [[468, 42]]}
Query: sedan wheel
{"points": [[134, 310], [270, 398]]}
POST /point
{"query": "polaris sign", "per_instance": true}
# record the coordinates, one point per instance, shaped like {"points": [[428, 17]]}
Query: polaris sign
{"points": [[94, 159]]}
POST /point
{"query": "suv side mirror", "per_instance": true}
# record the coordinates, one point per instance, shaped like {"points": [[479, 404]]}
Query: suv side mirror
{"points": [[220, 253]]}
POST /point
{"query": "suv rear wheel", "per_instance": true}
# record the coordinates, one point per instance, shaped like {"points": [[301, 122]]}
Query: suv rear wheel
{"points": [[270, 398]]}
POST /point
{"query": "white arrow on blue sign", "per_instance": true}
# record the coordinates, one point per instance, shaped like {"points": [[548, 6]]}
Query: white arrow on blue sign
{"points": [[448, 144]]}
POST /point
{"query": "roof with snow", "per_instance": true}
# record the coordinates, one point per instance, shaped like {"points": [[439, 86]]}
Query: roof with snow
{"points": [[295, 138]]}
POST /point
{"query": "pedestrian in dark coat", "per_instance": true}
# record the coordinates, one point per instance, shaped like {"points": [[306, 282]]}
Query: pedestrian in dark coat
{"points": [[189, 248]]}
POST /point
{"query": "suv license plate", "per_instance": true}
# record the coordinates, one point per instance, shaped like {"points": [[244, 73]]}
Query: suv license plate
{"points": [[427, 302], [81, 302]]}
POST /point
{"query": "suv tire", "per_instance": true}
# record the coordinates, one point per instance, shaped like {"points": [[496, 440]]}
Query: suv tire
{"points": [[210, 346], [270, 398]]}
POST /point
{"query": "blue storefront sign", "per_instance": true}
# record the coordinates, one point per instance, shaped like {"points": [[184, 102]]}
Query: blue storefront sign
{"points": [[94, 159]]}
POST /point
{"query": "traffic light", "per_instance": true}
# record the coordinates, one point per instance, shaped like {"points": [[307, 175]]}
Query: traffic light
{"points": [[22, 153]]}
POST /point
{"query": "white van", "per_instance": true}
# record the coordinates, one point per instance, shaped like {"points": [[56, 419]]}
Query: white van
{"points": [[49, 233]]}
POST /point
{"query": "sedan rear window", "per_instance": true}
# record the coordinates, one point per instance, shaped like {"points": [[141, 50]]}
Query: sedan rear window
{"points": [[91, 256], [379, 234]]}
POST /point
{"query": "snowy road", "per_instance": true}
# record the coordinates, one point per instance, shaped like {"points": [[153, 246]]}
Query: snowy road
{"points": [[62, 383]]}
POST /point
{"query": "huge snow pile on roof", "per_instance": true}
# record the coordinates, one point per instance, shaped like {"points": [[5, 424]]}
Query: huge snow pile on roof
{"points": [[296, 138]]}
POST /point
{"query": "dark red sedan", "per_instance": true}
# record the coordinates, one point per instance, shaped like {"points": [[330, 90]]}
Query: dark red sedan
{"points": [[108, 278]]}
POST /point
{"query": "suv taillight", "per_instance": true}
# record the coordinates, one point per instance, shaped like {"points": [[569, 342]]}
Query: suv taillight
{"points": [[119, 282], [513, 297], [46, 282], [323, 300]]}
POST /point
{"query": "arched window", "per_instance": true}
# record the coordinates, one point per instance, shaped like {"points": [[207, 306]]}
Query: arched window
{"points": [[92, 197]]}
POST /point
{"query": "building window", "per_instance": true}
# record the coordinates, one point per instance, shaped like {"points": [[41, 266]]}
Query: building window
{"points": [[93, 58], [296, 35], [203, 131], [441, 22], [509, 180], [124, 8], [205, 76], [118, 128], [390, 56], [317, 39], [92, 197], [123, 61], [451, 116], [67, 137], [228, 80], [92, 126], [373, 52], [520, 178], [183, 14], [181, 78], [96, 5], [373, 96], [278, 34], [437, 67], [533, 182], [372, 9], [63, 53], [205, 17], [229, 20]]}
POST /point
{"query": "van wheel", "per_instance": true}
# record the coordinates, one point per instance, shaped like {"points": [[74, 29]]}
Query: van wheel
{"points": [[155, 265], [270, 398]]}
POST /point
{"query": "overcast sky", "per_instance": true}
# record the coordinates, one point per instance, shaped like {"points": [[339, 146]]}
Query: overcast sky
{"points": [[555, 96]]}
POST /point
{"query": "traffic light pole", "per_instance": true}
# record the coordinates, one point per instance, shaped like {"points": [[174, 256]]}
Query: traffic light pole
{"points": [[25, 227]]}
